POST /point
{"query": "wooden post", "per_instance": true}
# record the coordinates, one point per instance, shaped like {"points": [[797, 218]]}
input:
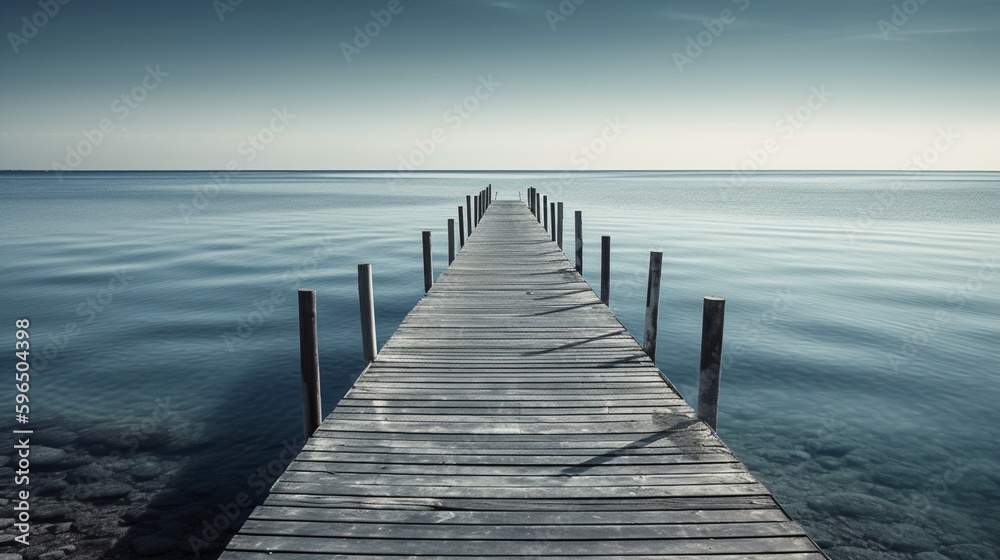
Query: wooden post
{"points": [[451, 240], [309, 361], [545, 212], [428, 273], [710, 372], [538, 207], [606, 269], [461, 228], [559, 224], [468, 215], [652, 304], [475, 211], [578, 230], [531, 199], [552, 208], [366, 295]]}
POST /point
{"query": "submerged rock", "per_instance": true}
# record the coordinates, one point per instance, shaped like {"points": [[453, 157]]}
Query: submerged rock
{"points": [[900, 477], [104, 439], [133, 516], [865, 456], [73, 460], [855, 505], [930, 556], [970, 552], [146, 470], [785, 456], [102, 491], [60, 528], [51, 487], [46, 458], [830, 463], [57, 437], [903, 537], [124, 439], [855, 553], [832, 447], [52, 512]]}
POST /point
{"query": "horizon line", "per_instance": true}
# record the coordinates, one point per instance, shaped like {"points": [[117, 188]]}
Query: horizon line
{"points": [[573, 171]]}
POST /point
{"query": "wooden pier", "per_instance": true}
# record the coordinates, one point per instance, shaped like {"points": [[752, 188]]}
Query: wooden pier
{"points": [[512, 415]]}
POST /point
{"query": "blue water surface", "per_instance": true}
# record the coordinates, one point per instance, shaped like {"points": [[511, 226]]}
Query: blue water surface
{"points": [[861, 370]]}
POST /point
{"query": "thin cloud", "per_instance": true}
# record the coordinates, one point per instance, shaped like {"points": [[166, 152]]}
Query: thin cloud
{"points": [[912, 34], [518, 6]]}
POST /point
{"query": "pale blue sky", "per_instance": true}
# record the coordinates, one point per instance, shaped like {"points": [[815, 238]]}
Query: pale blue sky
{"points": [[929, 87]]}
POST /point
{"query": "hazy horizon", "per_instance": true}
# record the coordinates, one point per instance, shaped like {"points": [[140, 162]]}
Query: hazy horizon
{"points": [[505, 85]]}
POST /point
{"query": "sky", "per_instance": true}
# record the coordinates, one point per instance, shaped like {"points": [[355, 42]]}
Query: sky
{"points": [[500, 84]]}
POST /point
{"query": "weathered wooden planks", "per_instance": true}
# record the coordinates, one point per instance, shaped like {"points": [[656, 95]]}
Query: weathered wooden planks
{"points": [[512, 415]]}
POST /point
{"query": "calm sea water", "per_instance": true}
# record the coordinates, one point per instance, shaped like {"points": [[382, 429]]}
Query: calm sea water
{"points": [[861, 360]]}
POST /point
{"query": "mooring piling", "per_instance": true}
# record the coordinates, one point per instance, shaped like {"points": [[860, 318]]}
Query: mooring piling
{"points": [[552, 230], [468, 215], [428, 271], [545, 212], [578, 234], [309, 362], [461, 228], [606, 269], [559, 234], [710, 370], [366, 298], [451, 240], [652, 304]]}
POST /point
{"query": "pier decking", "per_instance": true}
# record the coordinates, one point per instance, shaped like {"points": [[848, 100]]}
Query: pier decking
{"points": [[511, 415]]}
